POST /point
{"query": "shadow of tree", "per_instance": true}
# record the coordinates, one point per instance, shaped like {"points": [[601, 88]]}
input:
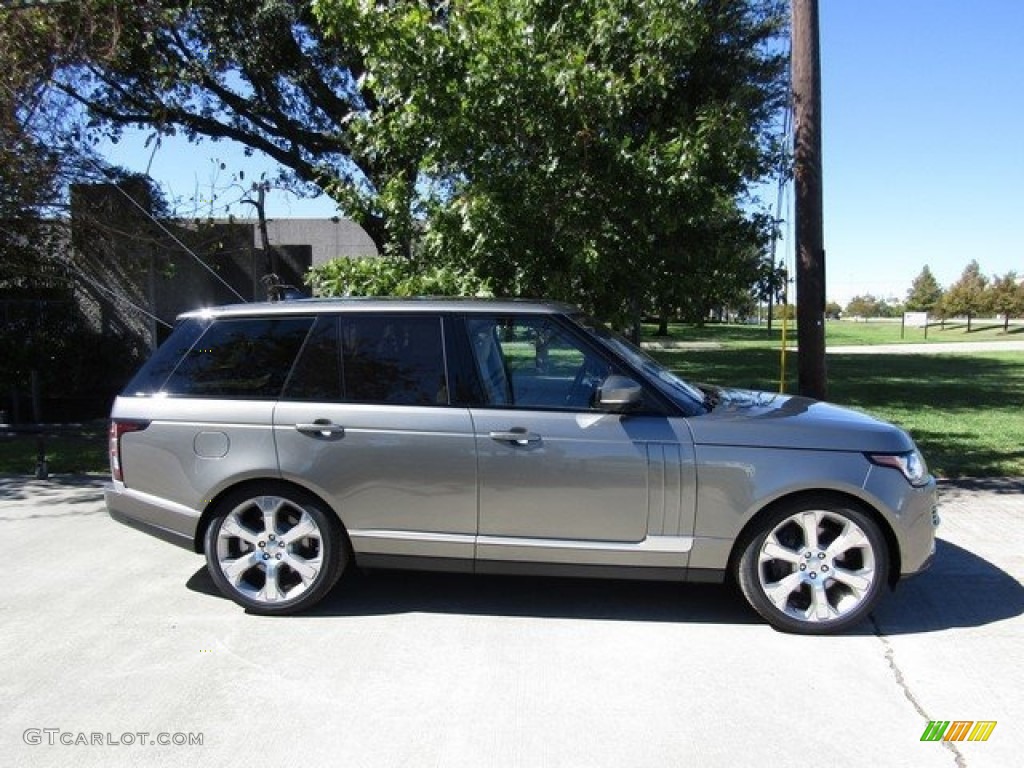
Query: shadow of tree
{"points": [[26, 487]]}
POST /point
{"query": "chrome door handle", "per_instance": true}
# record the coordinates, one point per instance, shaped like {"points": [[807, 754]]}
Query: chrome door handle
{"points": [[515, 435], [322, 427]]}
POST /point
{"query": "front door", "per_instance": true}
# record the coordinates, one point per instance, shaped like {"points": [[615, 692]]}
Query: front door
{"points": [[561, 481]]}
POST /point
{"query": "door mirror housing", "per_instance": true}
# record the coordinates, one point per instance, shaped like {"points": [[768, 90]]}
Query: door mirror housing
{"points": [[618, 394]]}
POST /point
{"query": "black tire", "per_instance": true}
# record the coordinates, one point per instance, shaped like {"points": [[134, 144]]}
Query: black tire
{"points": [[819, 586], [274, 550]]}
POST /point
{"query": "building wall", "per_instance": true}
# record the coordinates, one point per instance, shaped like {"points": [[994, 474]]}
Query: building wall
{"points": [[144, 263], [328, 238]]}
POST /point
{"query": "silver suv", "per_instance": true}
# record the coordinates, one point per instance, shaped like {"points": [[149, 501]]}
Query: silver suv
{"points": [[291, 441]]}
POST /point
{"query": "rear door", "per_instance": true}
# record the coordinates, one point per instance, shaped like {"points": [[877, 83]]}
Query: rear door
{"points": [[366, 422]]}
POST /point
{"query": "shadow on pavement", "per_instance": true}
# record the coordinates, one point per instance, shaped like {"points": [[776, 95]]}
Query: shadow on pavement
{"points": [[376, 593], [960, 590], [25, 488]]}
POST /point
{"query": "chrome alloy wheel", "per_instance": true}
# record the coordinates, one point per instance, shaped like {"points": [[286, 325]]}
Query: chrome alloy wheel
{"points": [[813, 565], [818, 566], [270, 550]]}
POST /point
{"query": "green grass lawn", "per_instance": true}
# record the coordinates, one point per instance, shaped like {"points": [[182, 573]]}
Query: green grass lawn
{"points": [[841, 333], [81, 452]]}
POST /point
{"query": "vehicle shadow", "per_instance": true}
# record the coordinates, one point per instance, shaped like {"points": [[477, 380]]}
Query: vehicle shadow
{"points": [[960, 590], [374, 593]]}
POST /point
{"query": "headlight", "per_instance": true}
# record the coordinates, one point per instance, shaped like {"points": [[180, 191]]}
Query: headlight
{"points": [[911, 464]]}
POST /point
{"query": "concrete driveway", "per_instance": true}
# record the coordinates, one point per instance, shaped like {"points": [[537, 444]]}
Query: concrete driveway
{"points": [[113, 641]]}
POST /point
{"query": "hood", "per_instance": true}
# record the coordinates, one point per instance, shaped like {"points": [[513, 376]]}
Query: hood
{"points": [[767, 420]]}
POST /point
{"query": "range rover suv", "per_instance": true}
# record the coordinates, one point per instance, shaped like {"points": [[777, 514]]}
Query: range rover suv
{"points": [[290, 441]]}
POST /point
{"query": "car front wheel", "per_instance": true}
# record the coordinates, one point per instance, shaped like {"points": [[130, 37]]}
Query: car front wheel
{"points": [[274, 550], [814, 567]]}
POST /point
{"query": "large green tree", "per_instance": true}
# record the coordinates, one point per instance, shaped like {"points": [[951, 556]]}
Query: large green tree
{"points": [[869, 306], [967, 297], [1006, 297], [39, 158], [37, 153], [925, 292], [599, 150], [262, 74]]}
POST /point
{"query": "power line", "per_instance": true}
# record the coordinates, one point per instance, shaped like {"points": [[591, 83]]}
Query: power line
{"points": [[119, 297]]}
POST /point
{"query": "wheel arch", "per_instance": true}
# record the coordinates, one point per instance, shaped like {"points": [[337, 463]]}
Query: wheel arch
{"points": [[750, 528], [213, 507]]}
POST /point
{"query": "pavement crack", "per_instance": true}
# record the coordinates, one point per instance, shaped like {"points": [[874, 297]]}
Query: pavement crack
{"points": [[890, 658]]}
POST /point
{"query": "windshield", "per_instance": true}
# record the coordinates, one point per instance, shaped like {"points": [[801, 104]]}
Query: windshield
{"points": [[667, 382]]}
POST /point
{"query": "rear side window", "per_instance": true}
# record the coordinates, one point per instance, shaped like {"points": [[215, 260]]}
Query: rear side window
{"points": [[240, 358], [390, 359], [151, 377], [317, 372], [393, 360]]}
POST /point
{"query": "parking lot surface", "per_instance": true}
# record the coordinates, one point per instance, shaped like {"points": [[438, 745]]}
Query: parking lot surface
{"points": [[114, 642]]}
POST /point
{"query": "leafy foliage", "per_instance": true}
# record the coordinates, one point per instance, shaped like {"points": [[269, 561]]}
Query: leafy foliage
{"points": [[870, 306], [594, 150], [967, 297], [925, 292], [373, 276], [39, 152], [261, 74], [1006, 297]]}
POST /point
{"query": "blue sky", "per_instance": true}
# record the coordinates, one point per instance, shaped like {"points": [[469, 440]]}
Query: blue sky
{"points": [[923, 133], [923, 145]]}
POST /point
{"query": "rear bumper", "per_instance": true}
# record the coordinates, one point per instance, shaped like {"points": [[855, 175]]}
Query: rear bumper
{"points": [[165, 520]]}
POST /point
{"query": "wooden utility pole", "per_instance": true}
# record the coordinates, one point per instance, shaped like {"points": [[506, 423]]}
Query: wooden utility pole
{"points": [[810, 238]]}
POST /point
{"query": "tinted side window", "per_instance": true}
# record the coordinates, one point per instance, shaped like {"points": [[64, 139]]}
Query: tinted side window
{"points": [[154, 373], [244, 358], [393, 359], [317, 373]]}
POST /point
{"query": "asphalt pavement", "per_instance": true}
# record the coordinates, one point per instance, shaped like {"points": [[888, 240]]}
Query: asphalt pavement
{"points": [[114, 642]]}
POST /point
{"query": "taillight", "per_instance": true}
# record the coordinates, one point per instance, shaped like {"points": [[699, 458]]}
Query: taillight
{"points": [[119, 427]]}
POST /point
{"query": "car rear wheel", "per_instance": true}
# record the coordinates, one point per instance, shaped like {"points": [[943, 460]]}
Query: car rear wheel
{"points": [[814, 567], [274, 550]]}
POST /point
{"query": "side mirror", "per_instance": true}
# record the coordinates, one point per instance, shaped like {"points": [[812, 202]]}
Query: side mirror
{"points": [[618, 394]]}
